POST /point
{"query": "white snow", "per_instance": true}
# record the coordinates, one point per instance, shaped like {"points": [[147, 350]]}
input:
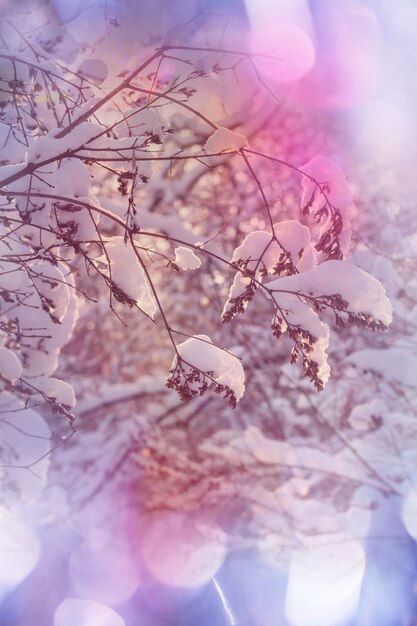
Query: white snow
{"points": [[50, 282], [128, 274], [49, 146], [93, 69], [269, 451], [326, 172], [361, 416], [25, 438], [200, 352], [73, 178], [265, 252], [11, 274], [394, 364], [186, 259], [299, 314], [362, 291], [10, 367], [57, 389], [224, 139], [138, 122], [290, 236]]}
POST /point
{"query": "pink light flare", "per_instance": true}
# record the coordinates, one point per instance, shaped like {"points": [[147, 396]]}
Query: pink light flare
{"points": [[281, 29]]}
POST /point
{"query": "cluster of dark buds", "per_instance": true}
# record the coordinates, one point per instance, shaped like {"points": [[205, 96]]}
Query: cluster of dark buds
{"points": [[345, 318], [57, 408], [363, 320], [197, 74], [68, 230], [329, 242], [310, 367], [238, 304], [227, 393], [120, 295], [49, 306], [189, 382], [187, 91], [303, 346], [60, 409], [68, 207], [123, 180], [152, 138], [278, 326], [306, 209], [333, 301], [311, 371], [285, 265], [6, 295], [303, 339]]}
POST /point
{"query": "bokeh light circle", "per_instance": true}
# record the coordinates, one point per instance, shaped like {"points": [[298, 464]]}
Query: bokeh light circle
{"points": [[77, 612], [182, 551], [324, 583], [409, 514], [107, 575], [19, 549]]}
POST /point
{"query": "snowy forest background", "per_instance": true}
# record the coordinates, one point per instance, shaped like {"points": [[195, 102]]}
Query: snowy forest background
{"points": [[208, 313]]}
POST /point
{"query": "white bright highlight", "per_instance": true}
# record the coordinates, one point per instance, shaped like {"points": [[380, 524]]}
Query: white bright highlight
{"points": [[324, 584], [76, 612], [409, 514], [226, 605]]}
